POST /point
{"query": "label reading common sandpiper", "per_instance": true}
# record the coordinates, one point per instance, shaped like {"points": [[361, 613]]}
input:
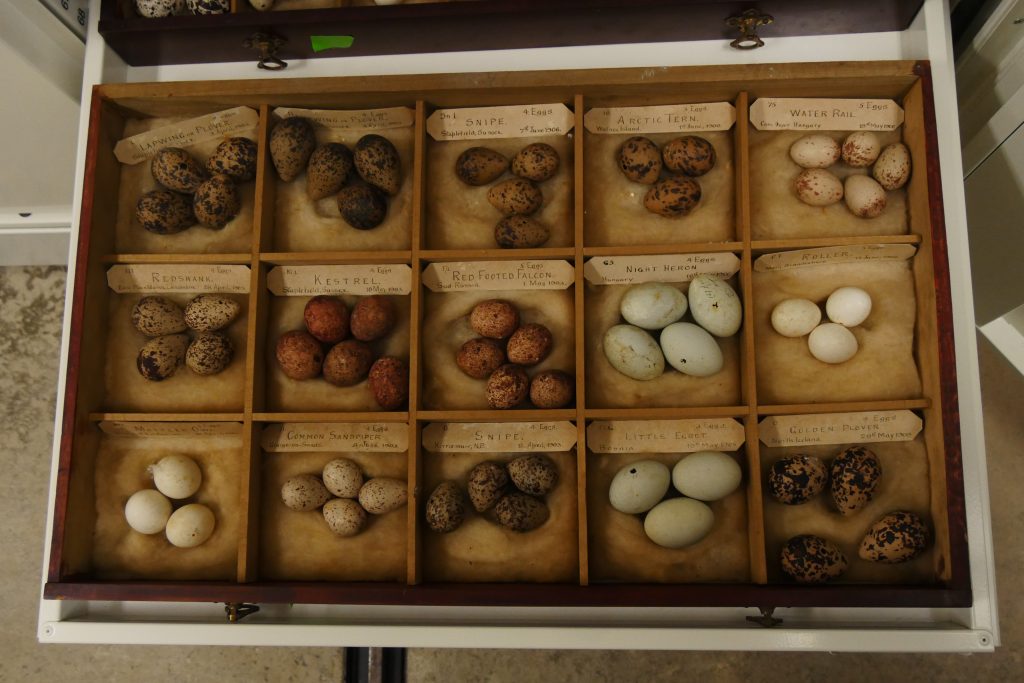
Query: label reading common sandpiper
{"points": [[459, 276], [358, 119], [664, 436], [388, 278], [784, 260], [138, 148], [840, 428], [517, 121], [794, 113], [122, 428], [179, 277], [628, 270], [670, 118], [498, 437], [368, 437]]}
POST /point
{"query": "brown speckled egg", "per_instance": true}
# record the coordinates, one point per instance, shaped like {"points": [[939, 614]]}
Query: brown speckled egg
{"points": [[235, 157], [209, 312], [855, 474], [304, 493], [446, 508], [175, 169], [898, 537], [507, 387], [552, 389], [640, 160], [299, 354], [812, 559], [362, 206], [378, 163], [165, 212], [479, 357], [818, 187], [864, 196], [892, 170], [860, 149], [155, 316], [535, 474], [328, 169], [216, 202], [494, 318], [343, 477], [520, 232], [690, 155], [529, 345], [292, 141], [487, 483], [161, 357], [326, 318], [797, 479], [536, 162], [515, 196], [373, 317], [389, 382], [381, 495], [673, 197], [348, 363], [480, 166], [344, 517], [209, 353], [520, 512]]}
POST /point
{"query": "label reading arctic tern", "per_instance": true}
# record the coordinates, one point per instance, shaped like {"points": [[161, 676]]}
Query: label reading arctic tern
{"points": [[517, 121], [138, 148], [122, 428], [628, 270], [664, 436], [370, 437], [360, 119], [672, 118], [179, 277], [388, 278], [777, 113], [839, 428], [462, 276], [499, 437], [784, 260]]}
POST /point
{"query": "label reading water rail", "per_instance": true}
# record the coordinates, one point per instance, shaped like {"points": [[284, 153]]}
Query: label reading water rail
{"points": [[370, 437], [363, 119], [837, 428], [775, 113], [498, 437], [784, 260], [672, 118], [179, 277], [388, 278], [120, 428], [627, 270], [518, 121], [138, 148], [664, 436], [459, 276]]}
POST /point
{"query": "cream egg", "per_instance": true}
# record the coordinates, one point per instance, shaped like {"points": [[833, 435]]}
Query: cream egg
{"points": [[706, 475], [832, 343], [147, 511], [795, 317], [678, 522], [815, 151], [715, 306], [861, 148], [892, 170], [176, 476], [864, 196], [639, 486], [190, 526], [818, 187], [633, 352], [849, 306], [652, 305], [691, 350]]}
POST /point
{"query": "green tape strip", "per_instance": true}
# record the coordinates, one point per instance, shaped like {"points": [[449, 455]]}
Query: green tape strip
{"points": [[321, 43]]}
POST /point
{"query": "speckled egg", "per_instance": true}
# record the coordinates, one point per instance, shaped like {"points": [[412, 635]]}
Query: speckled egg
{"points": [[176, 476], [161, 357], [216, 202], [639, 160], [154, 9], [175, 169], [208, 6], [343, 478], [535, 474], [653, 305], [529, 345], [795, 317], [520, 232], [362, 206], [520, 512], [861, 148], [326, 318], [815, 151], [261, 5], [487, 483], [328, 168], [155, 316], [210, 312], [855, 474], [209, 353], [678, 522], [812, 559], [235, 157], [797, 479], [299, 355], [190, 526], [494, 318], [639, 486], [691, 350], [164, 212], [480, 166], [707, 475], [389, 382], [673, 197], [633, 352], [536, 162], [690, 155], [479, 357], [516, 196], [714, 305], [507, 387], [348, 363], [377, 162], [898, 537], [446, 508], [373, 318], [344, 517], [552, 389], [292, 141], [304, 493], [381, 495], [818, 187], [892, 170], [864, 196]]}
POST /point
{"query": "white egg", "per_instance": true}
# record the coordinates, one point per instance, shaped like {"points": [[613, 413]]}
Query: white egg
{"points": [[815, 151], [639, 486], [176, 476], [892, 170], [678, 522], [154, 9], [706, 475], [715, 305], [691, 350], [860, 149], [864, 196], [849, 306], [652, 305], [832, 343], [818, 187], [147, 511], [795, 317], [633, 352], [190, 526]]}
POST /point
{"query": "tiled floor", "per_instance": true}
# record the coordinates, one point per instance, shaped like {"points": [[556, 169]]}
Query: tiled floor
{"points": [[31, 300]]}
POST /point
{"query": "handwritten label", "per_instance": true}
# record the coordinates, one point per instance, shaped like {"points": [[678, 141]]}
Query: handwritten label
{"points": [[498, 275], [179, 277], [387, 278], [523, 121], [363, 119], [138, 148], [120, 428], [783, 260], [837, 428], [626, 270], [664, 436], [294, 437], [498, 437], [780, 113], [673, 118]]}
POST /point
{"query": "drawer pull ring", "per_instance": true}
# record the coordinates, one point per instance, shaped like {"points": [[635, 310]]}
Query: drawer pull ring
{"points": [[766, 619], [266, 46], [747, 23], [236, 611]]}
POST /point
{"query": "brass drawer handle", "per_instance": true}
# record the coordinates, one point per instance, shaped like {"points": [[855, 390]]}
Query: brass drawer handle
{"points": [[747, 23], [266, 46]]}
